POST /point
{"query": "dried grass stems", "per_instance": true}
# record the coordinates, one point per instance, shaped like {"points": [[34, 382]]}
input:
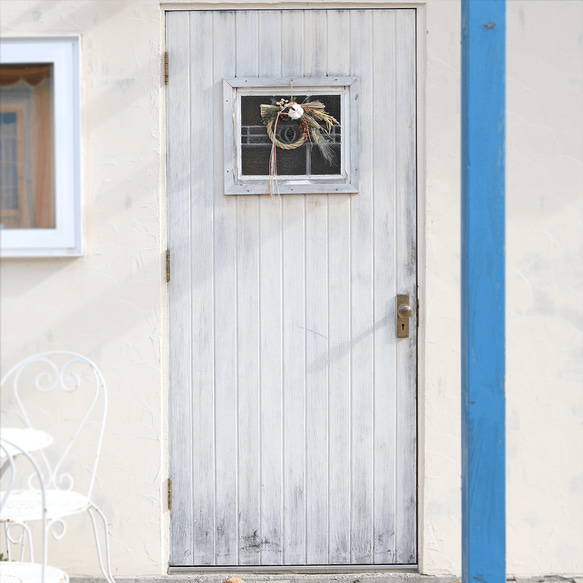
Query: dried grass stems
{"points": [[311, 122]]}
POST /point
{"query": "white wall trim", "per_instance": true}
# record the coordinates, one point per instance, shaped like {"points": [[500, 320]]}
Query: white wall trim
{"points": [[421, 275]]}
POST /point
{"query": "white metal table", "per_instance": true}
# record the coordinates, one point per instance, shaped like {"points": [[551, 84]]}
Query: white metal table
{"points": [[25, 438], [22, 441]]}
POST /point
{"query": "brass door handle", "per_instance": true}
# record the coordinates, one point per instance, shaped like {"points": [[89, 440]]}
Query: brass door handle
{"points": [[404, 312]]}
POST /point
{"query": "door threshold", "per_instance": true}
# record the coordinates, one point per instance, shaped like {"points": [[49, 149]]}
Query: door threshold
{"points": [[296, 569]]}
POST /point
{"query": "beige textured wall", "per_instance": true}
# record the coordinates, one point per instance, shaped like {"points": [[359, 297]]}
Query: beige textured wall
{"points": [[110, 304], [440, 400], [545, 287], [107, 304]]}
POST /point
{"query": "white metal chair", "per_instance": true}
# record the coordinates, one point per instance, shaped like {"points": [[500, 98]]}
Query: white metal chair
{"points": [[17, 535], [64, 394]]}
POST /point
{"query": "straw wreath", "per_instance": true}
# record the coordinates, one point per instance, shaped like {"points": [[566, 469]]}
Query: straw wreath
{"points": [[311, 117]]}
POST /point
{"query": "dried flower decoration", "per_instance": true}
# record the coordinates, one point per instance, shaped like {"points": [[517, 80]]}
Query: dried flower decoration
{"points": [[311, 117]]}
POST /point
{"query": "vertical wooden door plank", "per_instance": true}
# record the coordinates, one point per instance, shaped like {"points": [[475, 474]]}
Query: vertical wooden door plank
{"points": [[179, 292], [294, 355], [248, 321], [406, 468], [483, 290], [226, 313], [201, 192], [294, 323], [317, 381], [315, 43], [385, 228], [362, 335], [270, 228], [339, 320], [316, 260], [292, 46]]}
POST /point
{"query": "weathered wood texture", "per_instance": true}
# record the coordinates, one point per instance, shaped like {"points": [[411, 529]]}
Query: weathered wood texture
{"points": [[483, 291], [293, 407]]}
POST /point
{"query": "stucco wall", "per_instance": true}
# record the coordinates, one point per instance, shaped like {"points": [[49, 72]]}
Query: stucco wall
{"points": [[110, 304], [439, 270], [545, 287], [107, 304]]}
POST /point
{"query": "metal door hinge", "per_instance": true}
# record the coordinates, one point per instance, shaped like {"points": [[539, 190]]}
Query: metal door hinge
{"points": [[417, 313], [167, 265], [169, 493], [166, 68]]}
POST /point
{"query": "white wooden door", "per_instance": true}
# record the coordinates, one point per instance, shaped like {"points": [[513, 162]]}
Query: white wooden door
{"points": [[292, 402]]}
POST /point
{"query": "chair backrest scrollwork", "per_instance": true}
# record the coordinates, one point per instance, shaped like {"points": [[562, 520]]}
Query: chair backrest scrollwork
{"points": [[64, 394]]}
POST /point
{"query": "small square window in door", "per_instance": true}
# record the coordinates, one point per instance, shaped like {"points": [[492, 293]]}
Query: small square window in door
{"points": [[307, 141], [299, 154]]}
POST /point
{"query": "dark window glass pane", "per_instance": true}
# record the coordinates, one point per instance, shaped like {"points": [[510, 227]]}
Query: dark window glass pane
{"points": [[322, 166], [291, 162], [255, 160], [303, 160], [332, 103]]}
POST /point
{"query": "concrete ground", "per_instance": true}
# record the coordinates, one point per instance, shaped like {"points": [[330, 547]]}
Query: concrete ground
{"points": [[386, 577]]}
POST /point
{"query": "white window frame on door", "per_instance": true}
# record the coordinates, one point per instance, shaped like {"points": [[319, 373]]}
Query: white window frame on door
{"points": [[63, 52], [239, 184]]}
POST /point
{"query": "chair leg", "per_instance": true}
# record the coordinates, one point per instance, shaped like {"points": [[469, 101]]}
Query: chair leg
{"points": [[106, 573], [19, 541]]}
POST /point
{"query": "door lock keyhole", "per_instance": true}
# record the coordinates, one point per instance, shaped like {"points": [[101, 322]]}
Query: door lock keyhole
{"points": [[404, 313]]}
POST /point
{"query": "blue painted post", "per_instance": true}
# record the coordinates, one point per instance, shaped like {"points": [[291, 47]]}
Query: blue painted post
{"points": [[483, 291]]}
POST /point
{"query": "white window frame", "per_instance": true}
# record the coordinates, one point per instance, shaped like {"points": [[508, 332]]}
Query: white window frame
{"points": [[63, 52], [235, 183]]}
